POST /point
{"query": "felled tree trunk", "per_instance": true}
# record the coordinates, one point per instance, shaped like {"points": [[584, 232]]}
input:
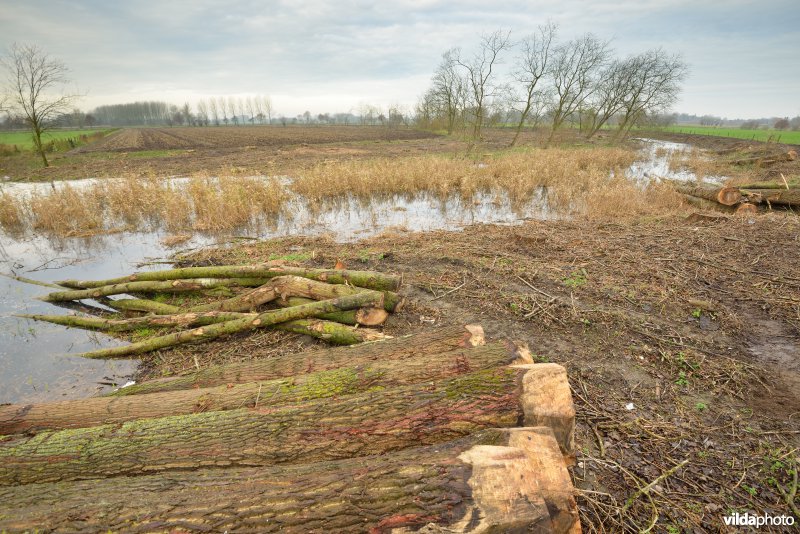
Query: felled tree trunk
{"points": [[170, 286], [779, 197], [354, 425], [362, 316], [487, 482], [435, 341], [348, 380], [366, 279], [330, 331], [269, 318], [727, 196]]}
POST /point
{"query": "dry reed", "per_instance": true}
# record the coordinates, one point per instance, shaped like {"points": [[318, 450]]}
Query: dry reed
{"points": [[574, 181]]}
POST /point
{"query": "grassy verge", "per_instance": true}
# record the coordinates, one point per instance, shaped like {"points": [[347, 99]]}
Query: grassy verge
{"points": [[23, 140], [776, 136]]}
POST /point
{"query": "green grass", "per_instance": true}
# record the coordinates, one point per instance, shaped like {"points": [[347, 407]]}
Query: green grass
{"points": [[777, 136], [24, 139]]}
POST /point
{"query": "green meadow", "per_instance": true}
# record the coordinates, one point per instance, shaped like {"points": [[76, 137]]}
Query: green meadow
{"points": [[24, 139], [777, 136]]}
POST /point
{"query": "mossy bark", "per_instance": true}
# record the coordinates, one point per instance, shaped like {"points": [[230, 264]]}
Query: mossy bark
{"points": [[363, 316], [434, 341], [408, 488], [358, 300], [378, 421], [366, 279], [170, 286], [348, 380]]}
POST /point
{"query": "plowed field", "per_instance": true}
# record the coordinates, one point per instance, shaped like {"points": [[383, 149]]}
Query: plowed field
{"points": [[135, 139]]}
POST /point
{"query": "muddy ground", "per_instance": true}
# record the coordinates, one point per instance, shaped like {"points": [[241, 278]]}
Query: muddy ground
{"points": [[681, 334], [681, 338]]}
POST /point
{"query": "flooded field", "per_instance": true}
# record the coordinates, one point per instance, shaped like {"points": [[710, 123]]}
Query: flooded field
{"points": [[34, 357]]}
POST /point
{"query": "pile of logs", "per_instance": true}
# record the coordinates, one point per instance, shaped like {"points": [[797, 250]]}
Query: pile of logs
{"points": [[418, 432], [744, 199], [765, 160], [334, 305]]}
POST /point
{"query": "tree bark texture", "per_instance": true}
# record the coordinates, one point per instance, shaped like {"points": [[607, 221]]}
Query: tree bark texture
{"points": [[435, 341], [367, 279], [19, 418], [374, 494], [779, 197], [375, 422], [727, 196]]}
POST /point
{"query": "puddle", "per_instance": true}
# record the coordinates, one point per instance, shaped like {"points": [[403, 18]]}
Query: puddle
{"points": [[34, 357], [35, 361], [655, 163]]}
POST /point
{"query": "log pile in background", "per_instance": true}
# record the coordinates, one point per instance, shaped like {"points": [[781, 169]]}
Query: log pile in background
{"points": [[333, 305], [743, 199], [404, 433]]}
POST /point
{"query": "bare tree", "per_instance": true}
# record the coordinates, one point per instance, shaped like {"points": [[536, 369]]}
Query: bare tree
{"points": [[223, 109], [259, 108], [202, 112], [654, 86], [266, 104], [449, 91], [574, 65], [613, 87], [232, 109], [251, 109], [479, 74], [35, 87], [212, 108], [240, 107], [532, 66]]}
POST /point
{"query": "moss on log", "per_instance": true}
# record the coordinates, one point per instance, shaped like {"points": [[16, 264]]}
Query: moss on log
{"points": [[375, 422], [348, 380], [170, 286], [449, 484], [366, 279], [362, 316], [434, 341], [203, 333]]}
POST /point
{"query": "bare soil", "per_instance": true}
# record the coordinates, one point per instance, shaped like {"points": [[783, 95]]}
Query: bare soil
{"points": [[680, 337], [223, 151]]}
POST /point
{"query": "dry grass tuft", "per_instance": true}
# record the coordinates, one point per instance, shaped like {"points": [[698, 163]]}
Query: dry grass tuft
{"points": [[11, 217]]}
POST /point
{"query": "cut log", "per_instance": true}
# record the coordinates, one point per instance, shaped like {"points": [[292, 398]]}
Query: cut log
{"points": [[141, 305], [377, 494], [746, 209], [97, 411], [778, 197], [354, 425], [359, 300], [170, 286], [366, 279], [727, 196], [362, 316], [435, 341]]}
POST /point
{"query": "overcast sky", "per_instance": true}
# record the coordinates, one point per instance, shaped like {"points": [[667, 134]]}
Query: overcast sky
{"points": [[328, 56]]}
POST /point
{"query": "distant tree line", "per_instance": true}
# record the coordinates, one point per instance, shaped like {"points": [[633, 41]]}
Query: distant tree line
{"points": [[576, 82]]}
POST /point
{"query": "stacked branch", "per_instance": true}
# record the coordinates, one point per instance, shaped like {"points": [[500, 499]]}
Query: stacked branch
{"points": [[327, 304]]}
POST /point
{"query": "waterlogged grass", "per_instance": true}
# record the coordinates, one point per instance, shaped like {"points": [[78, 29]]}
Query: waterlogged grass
{"points": [[774, 136], [587, 182]]}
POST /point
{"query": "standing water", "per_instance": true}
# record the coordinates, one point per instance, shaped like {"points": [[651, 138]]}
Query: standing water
{"points": [[35, 358]]}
